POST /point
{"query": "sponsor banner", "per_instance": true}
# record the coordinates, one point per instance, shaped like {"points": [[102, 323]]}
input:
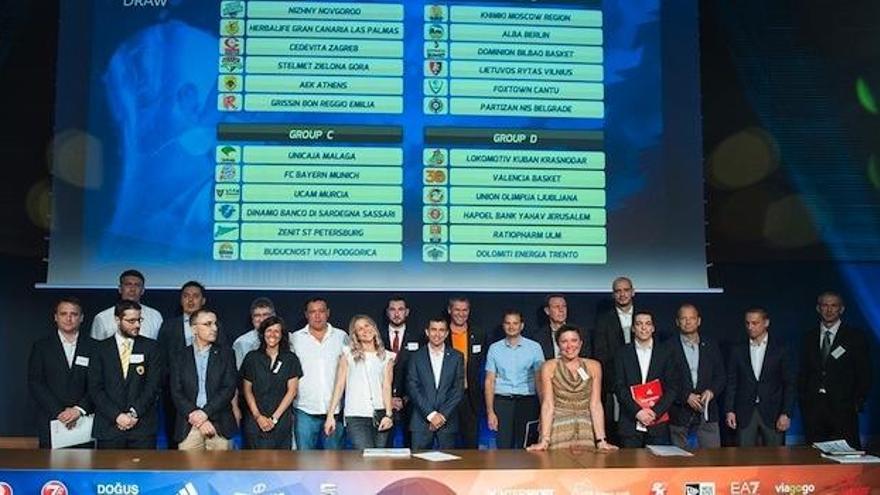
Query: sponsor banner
{"points": [[824, 479]]}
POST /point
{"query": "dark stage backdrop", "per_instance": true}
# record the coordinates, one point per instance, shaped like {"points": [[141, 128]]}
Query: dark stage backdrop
{"points": [[790, 126]]}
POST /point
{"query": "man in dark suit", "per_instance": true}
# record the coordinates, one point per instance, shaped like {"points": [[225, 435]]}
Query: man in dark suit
{"points": [[613, 331], [835, 375], [435, 383], [58, 371], [556, 310], [702, 376], [760, 385], [471, 343], [174, 336], [641, 361], [203, 382], [403, 340], [124, 380]]}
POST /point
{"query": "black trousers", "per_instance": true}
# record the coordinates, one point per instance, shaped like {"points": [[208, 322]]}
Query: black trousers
{"points": [[468, 425], [824, 420], [656, 435], [514, 412]]}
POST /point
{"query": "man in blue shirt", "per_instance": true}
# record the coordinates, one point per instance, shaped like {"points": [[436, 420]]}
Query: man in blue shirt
{"points": [[513, 368]]}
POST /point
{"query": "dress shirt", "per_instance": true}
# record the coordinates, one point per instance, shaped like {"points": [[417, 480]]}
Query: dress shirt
{"points": [[553, 338], [396, 332], [692, 356], [104, 325], [757, 351], [626, 320], [319, 360], [436, 364], [245, 343], [201, 356], [833, 329], [187, 331], [514, 365], [69, 347], [643, 353]]}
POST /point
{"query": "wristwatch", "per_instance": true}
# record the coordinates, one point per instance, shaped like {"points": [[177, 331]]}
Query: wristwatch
{"points": [[389, 415], [273, 419]]}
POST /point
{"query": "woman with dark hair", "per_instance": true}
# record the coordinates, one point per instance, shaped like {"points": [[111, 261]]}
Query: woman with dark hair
{"points": [[364, 374], [269, 377], [571, 412]]}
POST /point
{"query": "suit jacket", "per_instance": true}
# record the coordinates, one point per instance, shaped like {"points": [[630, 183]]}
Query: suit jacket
{"points": [[607, 342], [628, 373], [475, 364], [774, 390], [710, 375], [113, 394], [221, 379], [846, 378], [53, 384], [426, 397], [413, 340], [545, 337]]}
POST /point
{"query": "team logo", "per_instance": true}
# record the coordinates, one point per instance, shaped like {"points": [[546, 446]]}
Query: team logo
{"points": [[5, 488], [436, 105], [231, 64], [227, 210], [435, 233], [232, 9], [435, 50], [226, 251], [227, 193], [436, 32], [658, 488], [437, 157], [435, 13], [700, 488], [230, 83], [229, 102], [434, 252], [227, 154], [435, 195], [225, 230], [231, 46], [435, 214], [435, 67], [795, 489], [435, 176], [231, 27], [54, 487], [436, 85], [227, 173]]}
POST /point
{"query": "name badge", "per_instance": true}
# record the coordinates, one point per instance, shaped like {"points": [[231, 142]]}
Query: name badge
{"points": [[836, 353], [136, 358], [81, 361], [476, 348], [277, 368], [412, 346], [583, 374]]}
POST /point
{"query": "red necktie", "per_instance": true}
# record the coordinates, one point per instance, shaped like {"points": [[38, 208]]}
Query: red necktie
{"points": [[395, 343]]}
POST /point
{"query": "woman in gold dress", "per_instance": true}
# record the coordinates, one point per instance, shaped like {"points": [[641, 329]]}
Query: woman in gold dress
{"points": [[571, 412]]}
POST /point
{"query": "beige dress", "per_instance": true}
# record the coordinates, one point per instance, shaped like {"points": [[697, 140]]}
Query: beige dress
{"points": [[572, 426]]}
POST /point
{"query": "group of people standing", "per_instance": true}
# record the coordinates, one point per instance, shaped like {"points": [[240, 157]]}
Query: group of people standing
{"points": [[557, 386]]}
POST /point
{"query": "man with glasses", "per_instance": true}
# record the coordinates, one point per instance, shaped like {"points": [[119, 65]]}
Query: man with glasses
{"points": [[124, 380]]}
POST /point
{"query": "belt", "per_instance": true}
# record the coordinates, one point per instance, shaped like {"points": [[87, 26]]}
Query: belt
{"points": [[513, 396]]}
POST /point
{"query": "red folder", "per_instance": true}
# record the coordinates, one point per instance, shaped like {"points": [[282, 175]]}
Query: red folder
{"points": [[647, 395]]}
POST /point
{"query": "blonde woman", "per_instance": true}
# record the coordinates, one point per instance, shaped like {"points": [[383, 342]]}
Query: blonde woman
{"points": [[364, 374]]}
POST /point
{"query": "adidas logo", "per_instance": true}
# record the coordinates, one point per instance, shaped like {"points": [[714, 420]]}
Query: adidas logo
{"points": [[188, 489]]}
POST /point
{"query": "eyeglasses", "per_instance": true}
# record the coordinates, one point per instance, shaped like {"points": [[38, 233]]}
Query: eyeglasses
{"points": [[132, 321]]}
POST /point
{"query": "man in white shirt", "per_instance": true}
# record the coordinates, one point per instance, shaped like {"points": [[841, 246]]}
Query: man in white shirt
{"points": [[261, 308], [131, 288], [318, 346]]}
